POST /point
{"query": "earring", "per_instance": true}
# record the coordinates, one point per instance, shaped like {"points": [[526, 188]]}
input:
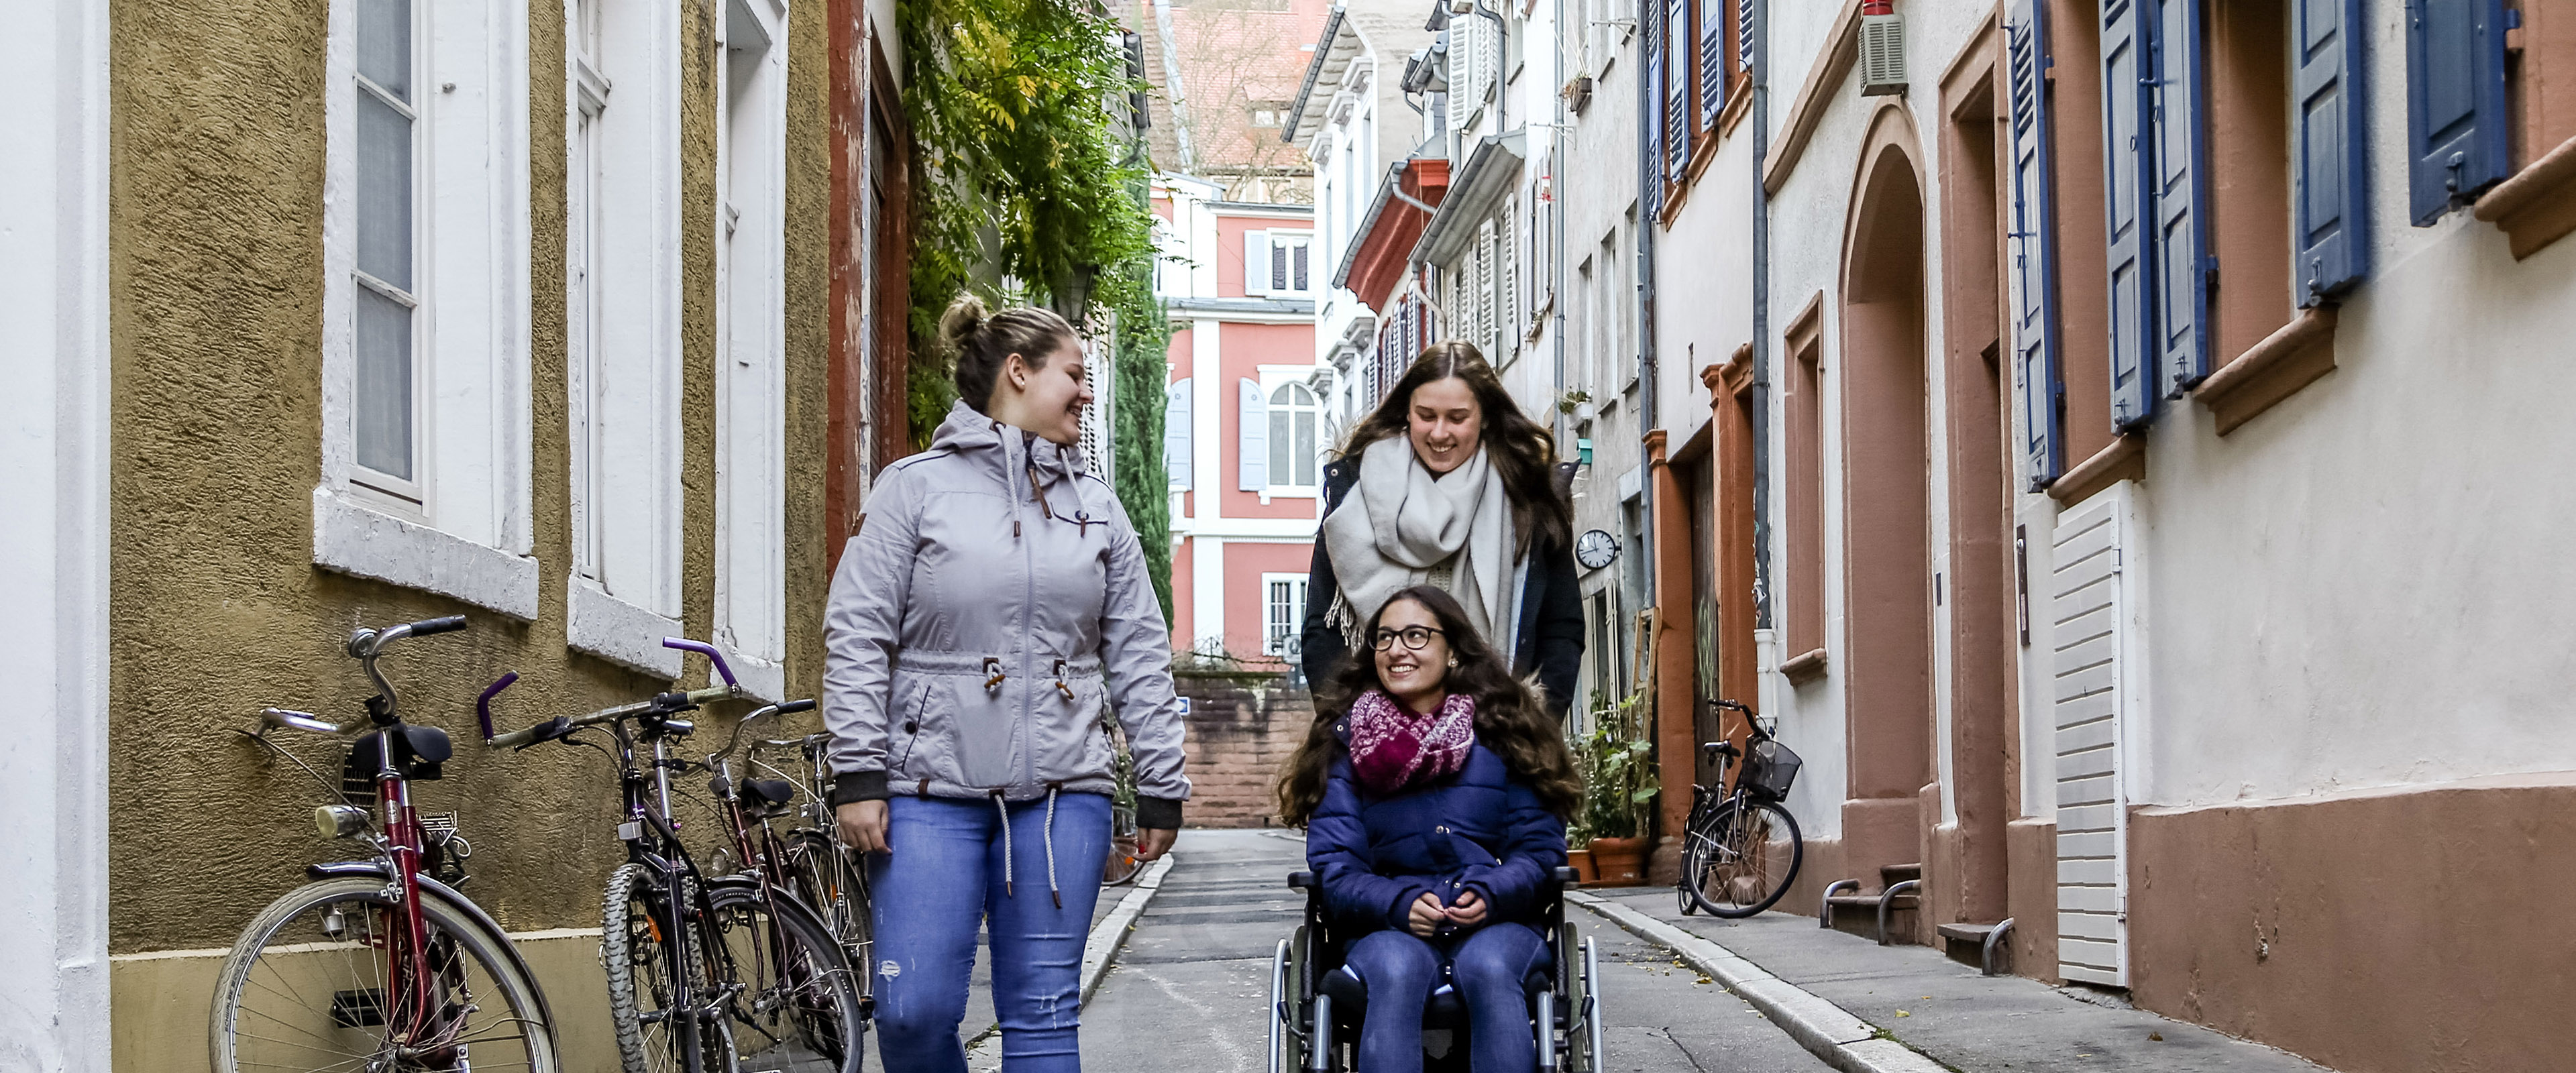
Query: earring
{"points": [[1453, 661]]}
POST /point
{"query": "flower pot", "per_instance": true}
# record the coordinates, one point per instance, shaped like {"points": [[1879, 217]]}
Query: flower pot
{"points": [[1581, 861], [1619, 862]]}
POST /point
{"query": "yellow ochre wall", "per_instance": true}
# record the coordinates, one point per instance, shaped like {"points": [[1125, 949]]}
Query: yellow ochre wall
{"points": [[216, 259]]}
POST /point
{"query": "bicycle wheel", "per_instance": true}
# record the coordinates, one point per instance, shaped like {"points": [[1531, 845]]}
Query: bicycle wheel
{"points": [[1122, 865], [643, 968], [311, 985], [830, 881], [1743, 858], [790, 999]]}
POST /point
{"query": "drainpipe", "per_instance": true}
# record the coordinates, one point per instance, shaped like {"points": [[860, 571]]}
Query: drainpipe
{"points": [[1648, 174], [1759, 26], [1556, 242]]}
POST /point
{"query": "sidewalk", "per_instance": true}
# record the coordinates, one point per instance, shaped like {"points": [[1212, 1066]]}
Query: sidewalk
{"points": [[1945, 1010]]}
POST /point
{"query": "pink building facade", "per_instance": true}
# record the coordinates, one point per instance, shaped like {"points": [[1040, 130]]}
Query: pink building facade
{"points": [[1245, 427]]}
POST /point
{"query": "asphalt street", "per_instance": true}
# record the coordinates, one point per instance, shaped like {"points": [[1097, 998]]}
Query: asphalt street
{"points": [[1190, 991]]}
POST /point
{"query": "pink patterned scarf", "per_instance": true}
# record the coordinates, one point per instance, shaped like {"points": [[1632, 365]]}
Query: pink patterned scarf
{"points": [[1393, 749]]}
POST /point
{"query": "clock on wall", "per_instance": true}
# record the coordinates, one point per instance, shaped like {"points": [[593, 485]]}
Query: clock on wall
{"points": [[1596, 549]]}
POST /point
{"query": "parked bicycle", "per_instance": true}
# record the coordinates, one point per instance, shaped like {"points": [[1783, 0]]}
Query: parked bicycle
{"points": [[809, 861], [1124, 837], [706, 973], [1742, 848], [379, 964]]}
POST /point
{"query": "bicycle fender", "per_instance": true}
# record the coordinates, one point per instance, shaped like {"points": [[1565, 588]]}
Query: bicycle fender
{"points": [[431, 888]]}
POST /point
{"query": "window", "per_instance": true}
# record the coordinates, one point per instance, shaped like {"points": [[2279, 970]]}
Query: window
{"points": [[1176, 434], [1294, 454], [1805, 546], [623, 363], [1283, 613], [751, 496], [1585, 332], [1278, 263], [421, 306], [387, 381]]}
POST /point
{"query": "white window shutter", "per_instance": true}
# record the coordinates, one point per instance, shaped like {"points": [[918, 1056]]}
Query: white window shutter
{"points": [[1176, 433], [1252, 447], [1256, 262]]}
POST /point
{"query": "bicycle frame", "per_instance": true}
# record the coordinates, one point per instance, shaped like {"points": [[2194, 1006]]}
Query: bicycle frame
{"points": [[401, 843], [652, 839]]}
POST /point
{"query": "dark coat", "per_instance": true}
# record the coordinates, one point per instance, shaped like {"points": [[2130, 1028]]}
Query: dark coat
{"points": [[1483, 829], [1551, 629]]}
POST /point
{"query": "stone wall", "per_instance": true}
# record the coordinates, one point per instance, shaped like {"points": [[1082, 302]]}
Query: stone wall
{"points": [[1243, 725]]}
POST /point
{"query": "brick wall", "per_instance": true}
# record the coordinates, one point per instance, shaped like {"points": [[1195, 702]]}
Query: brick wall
{"points": [[1242, 727]]}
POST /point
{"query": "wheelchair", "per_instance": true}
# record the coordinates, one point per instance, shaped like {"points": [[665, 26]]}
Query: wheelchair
{"points": [[1316, 1009]]}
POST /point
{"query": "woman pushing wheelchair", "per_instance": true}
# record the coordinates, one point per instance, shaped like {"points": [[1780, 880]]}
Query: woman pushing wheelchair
{"points": [[1433, 788]]}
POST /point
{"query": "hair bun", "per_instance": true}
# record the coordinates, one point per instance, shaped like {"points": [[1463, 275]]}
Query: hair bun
{"points": [[965, 317]]}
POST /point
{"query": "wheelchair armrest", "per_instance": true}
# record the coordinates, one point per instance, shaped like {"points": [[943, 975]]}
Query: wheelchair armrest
{"points": [[1304, 881], [1565, 876]]}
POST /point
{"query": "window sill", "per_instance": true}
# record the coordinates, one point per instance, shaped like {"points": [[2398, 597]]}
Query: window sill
{"points": [[2537, 206], [764, 680], [622, 633], [2124, 459], [1739, 100], [1805, 668], [360, 541], [2272, 370]]}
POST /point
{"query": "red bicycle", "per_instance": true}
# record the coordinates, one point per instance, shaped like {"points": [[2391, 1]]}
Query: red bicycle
{"points": [[379, 963]]}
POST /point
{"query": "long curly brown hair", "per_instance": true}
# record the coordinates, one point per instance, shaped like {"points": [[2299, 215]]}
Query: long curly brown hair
{"points": [[1510, 720], [1522, 449]]}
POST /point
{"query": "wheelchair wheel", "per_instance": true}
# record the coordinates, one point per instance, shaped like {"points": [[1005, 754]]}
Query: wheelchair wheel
{"points": [[1580, 1051], [1289, 1035]]}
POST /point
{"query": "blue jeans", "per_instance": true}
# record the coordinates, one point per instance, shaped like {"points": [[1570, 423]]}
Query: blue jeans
{"points": [[944, 876], [1487, 965]]}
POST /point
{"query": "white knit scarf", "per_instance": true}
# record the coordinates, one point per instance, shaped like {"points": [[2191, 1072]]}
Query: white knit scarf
{"points": [[1399, 521]]}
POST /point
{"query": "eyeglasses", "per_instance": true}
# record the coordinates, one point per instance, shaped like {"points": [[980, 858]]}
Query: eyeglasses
{"points": [[1414, 637]]}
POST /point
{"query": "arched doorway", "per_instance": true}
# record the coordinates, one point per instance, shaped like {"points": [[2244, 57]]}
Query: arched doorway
{"points": [[1887, 550]]}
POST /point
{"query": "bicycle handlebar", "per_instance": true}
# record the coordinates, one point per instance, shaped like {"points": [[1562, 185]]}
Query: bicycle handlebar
{"points": [[790, 708], [559, 726], [707, 650]]}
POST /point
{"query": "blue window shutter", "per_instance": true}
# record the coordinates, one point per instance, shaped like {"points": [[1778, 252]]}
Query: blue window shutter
{"points": [[2330, 196], [1252, 439], [2034, 246], [1653, 43], [2458, 126], [2126, 181], [1712, 61], [1176, 433], [1677, 91], [2181, 142]]}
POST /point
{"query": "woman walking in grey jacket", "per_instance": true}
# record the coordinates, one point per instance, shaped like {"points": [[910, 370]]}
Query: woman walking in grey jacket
{"points": [[990, 610]]}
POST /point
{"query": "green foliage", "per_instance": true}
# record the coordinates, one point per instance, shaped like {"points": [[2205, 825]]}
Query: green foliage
{"points": [[1143, 485], [1620, 779], [1022, 177]]}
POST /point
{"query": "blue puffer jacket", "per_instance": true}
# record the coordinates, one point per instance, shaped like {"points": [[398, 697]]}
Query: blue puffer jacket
{"points": [[1483, 830]]}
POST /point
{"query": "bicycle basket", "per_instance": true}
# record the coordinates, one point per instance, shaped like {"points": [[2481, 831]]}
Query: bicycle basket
{"points": [[1769, 769]]}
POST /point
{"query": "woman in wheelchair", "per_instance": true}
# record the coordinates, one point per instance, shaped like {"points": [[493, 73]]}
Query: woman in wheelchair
{"points": [[1433, 788]]}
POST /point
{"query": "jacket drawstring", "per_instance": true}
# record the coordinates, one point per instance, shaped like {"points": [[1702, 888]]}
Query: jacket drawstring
{"points": [[1058, 895], [1004, 811]]}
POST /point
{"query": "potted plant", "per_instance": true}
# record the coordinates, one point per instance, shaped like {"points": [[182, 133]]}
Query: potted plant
{"points": [[1619, 780]]}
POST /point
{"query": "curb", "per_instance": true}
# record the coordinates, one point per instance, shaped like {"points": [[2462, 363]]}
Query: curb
{"points": [[1830, 1032], [1099, 949]]}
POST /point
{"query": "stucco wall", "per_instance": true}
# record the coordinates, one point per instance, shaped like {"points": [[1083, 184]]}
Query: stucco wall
{"points": [[216, 239]]}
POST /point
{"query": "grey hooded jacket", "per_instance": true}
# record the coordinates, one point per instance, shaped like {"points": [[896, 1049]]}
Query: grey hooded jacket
{"points": [[993, 597]]}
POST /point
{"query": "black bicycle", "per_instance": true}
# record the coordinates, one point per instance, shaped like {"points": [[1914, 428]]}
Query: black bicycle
{"points": [[706, 973], [1742, 848]]}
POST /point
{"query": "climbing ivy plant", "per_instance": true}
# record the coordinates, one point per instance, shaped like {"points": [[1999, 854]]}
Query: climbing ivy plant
{"points": [[1030, 194]]}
